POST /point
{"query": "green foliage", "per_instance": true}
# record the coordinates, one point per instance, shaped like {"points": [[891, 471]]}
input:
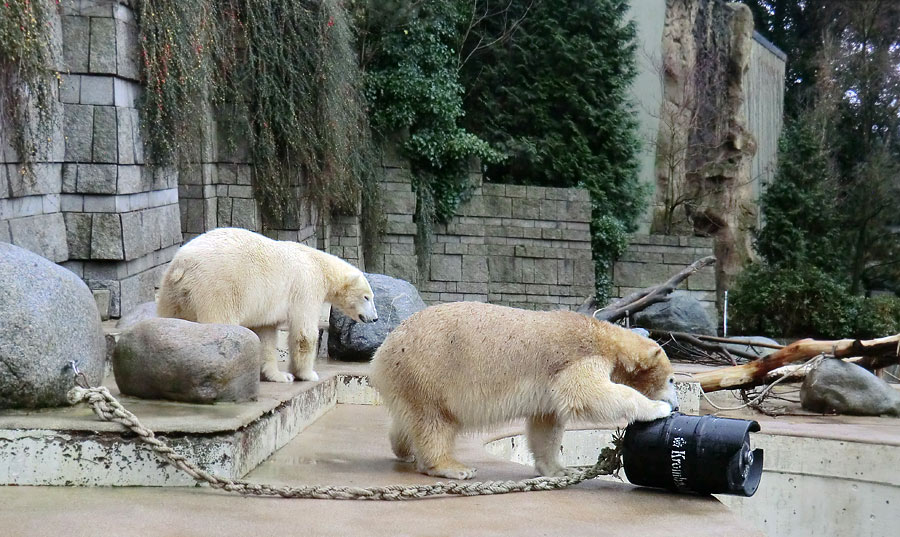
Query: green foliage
{"points": [[801, 221], [26, 76], [280, 76], [807, 302], [413, 87], [801, 289], [878, 317], [554, 99], [783, 301]]}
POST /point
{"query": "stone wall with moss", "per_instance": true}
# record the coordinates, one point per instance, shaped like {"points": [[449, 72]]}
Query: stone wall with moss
{"points": [[91, 203]]}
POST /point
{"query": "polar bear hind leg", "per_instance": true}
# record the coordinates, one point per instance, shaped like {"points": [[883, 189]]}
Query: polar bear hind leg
{"points": [[433, 439], [400, 442]]}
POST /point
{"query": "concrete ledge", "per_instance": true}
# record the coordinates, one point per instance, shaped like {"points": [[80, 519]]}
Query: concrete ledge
{"points": [[70, 446]]}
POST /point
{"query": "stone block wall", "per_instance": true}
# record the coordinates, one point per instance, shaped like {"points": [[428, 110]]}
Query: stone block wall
{"points": [[93, 205], [653, 259], [527, 247], [219, 192]]}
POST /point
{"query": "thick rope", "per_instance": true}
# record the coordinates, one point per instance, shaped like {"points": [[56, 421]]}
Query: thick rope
{"points": [[108, 408]]}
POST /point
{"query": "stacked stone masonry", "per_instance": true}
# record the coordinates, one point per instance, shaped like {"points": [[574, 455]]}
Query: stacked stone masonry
{"points": [[92, 204], [513, 245], [653, 259]]}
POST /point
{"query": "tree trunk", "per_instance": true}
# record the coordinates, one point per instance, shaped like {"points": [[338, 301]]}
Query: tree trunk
{"points": [[641, 299], [875, 352]]}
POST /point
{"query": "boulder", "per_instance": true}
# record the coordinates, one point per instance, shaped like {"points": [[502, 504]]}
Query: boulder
{"points": [[47, 318], [147, 310], [395, 300], [185, 361], [681, 313], [844, 388]]}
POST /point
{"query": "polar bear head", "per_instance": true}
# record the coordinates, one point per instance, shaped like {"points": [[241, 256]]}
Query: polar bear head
{"points": [[645, 367], [356, 299]]}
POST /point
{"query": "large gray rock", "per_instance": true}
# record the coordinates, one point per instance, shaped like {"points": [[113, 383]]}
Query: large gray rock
{"points": [[180, 360], [395, 300], [147, 310], [837, 386], [47, 318], [681, 313]]}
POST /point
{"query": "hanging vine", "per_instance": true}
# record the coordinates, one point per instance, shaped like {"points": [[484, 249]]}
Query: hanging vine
{"points": [[26, 77], [411, 57], [280, 77]]}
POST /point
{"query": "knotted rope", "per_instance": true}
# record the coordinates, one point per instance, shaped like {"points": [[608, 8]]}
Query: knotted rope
{"points": [[108, 408]]}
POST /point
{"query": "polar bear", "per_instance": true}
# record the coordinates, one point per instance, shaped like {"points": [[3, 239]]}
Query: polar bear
{"points": [[235, 276], [468, 366]]}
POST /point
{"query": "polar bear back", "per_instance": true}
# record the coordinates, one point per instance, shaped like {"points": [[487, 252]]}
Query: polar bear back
{"points": [[487, 363], [235, 276]]}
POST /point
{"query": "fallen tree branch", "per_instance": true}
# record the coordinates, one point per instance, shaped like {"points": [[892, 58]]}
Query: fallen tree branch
{"points": [[639, 300], [739, 341], [754, 373], [708, 343]]}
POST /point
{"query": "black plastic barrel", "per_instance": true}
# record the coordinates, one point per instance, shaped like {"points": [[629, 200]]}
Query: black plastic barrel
{"points": [[701, 454]]}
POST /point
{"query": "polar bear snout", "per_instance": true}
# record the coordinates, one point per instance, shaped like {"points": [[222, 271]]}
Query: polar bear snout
{"points": [[365, 318]]}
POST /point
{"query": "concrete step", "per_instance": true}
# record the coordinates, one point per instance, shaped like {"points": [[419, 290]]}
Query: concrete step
{"points": [[71, 446]]}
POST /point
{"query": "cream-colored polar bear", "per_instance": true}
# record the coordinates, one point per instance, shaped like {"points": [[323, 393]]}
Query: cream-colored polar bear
{"points": [[468, 366], [235, 276]]}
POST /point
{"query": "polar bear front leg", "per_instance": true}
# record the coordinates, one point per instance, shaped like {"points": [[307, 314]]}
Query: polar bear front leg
{"points": [[302, 340], [268, 338], [586, 392], [544, 435]]}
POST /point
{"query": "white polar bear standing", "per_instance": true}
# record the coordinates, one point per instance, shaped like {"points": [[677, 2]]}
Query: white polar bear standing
{"points": [[466, 366], [235, 276]]}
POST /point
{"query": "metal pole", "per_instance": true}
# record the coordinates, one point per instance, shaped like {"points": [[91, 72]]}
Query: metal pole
{"points": [[725, 317]]}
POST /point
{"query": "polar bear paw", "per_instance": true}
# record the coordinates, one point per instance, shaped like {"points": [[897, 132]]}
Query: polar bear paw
{"points": [[661, 409], [278, 376], [453, 472], [553, 470], [311, 376]]}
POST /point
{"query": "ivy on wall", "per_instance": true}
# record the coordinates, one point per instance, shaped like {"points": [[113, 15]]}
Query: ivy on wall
{"points": [[26, 76], [411, 60], [279, 77]]}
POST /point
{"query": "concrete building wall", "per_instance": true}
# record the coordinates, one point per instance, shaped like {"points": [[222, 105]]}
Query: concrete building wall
{"points": [[764, 108], [763, 104], [646, 92]]}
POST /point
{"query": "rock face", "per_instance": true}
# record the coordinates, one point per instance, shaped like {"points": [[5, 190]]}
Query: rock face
{"points": [[704, 178], [184, 361], [47, 318], [682, 313], [395, 300], [836, 386], [147, 310]]}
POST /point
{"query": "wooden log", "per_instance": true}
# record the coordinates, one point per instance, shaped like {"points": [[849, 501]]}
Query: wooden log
{"points": [[639, 300], [754, 373]]}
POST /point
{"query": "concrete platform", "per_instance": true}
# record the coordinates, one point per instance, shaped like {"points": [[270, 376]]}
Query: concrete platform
{"points": [[70, 446], [349, 445]]}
